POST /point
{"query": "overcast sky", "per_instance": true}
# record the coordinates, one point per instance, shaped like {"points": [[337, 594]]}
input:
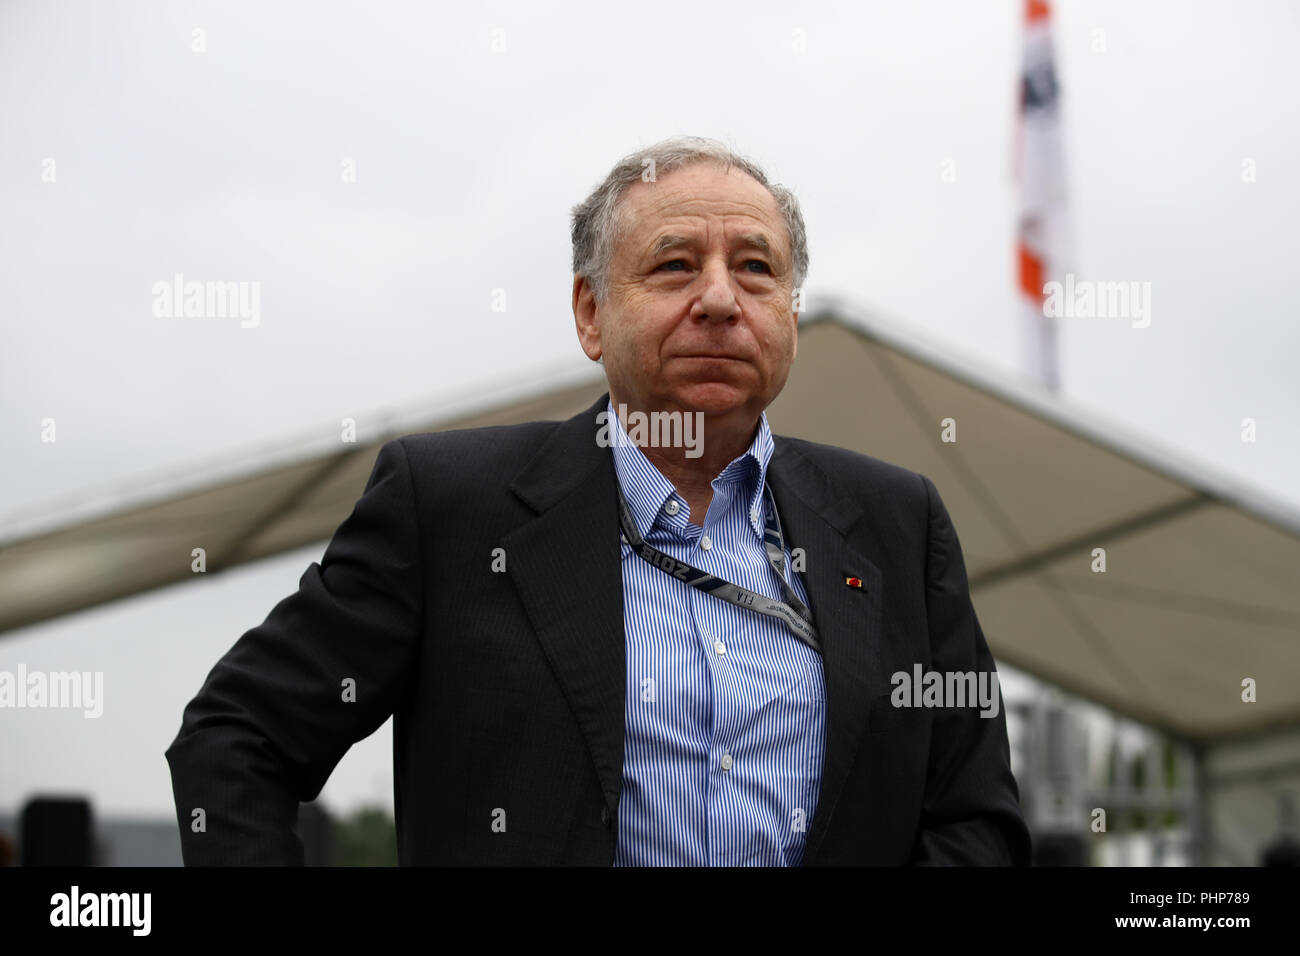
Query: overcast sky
{"points": [[226, 165]]}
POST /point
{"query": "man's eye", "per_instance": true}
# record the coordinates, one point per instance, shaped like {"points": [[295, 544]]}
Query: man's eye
{"points": [[682, 262]]}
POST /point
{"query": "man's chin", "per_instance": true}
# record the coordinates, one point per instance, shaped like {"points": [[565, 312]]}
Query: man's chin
{"points": [[715, 399]]}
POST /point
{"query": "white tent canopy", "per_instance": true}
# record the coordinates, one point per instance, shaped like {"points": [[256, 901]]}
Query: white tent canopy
{"points": [[1202, 580]]}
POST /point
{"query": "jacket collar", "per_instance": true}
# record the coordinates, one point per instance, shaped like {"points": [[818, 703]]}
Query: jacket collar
{"points": [[647, 489]]}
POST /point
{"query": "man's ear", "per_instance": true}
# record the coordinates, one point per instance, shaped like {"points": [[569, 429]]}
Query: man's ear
{"points": [[584, 318]]}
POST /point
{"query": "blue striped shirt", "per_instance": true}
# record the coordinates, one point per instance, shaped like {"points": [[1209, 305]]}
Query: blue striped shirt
{"points": [[726, 708]]}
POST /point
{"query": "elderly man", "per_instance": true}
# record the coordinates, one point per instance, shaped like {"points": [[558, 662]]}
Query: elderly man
{"points": [[608, 644]]}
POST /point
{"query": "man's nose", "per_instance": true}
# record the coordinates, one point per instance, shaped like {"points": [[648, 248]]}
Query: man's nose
{"points": [[718, 300]]}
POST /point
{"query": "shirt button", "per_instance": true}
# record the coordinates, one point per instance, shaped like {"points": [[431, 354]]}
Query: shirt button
{"points": [[705, 543], [726, 761], [672, 507], [720, 647]]}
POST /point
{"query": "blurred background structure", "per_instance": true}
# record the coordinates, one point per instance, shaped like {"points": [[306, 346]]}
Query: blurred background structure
{"points": [[396, 183]]}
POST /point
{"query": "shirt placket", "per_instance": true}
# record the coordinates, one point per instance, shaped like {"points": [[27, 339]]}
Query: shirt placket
{"points": [[723, 796]]}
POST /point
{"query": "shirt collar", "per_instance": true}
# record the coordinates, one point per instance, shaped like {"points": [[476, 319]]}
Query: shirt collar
{"points": [[647, 490]]}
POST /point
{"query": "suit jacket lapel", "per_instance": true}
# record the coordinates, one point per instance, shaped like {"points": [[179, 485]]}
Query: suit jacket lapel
{"points": [[817, 519], [566, 566]]}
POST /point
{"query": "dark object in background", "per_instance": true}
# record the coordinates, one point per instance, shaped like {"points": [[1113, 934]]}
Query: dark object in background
{"points": [[1284, 851], [57, 831], [1059, 849]]}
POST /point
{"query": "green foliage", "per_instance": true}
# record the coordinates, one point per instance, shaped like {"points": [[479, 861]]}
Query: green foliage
{"points": [[366, 838]]}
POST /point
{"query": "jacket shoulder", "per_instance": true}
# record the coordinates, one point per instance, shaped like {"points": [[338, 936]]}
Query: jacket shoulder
{"points": [[475, 455], [862, 475]]}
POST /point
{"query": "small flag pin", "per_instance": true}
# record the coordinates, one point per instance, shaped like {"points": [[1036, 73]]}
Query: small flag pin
{"points": [[853, 582]]}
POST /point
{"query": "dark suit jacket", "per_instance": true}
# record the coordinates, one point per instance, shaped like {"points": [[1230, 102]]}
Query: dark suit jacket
{"points": [[508, 689]]}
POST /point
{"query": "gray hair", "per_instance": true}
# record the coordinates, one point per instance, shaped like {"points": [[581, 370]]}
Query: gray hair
{"points": [[598, 222]]}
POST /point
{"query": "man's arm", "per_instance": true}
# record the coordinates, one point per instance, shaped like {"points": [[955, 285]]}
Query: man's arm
{"points": [[971, 812], [324, 670]]}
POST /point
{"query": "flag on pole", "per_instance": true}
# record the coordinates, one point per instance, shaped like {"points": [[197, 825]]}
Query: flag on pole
{"points": [[1040, 169]]}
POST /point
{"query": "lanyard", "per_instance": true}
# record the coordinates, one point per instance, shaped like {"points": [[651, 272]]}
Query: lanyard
{"points": [[793, 611]]}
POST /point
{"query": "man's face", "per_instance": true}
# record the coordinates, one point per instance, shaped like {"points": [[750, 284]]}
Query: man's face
{"points": [[699, 313]]}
